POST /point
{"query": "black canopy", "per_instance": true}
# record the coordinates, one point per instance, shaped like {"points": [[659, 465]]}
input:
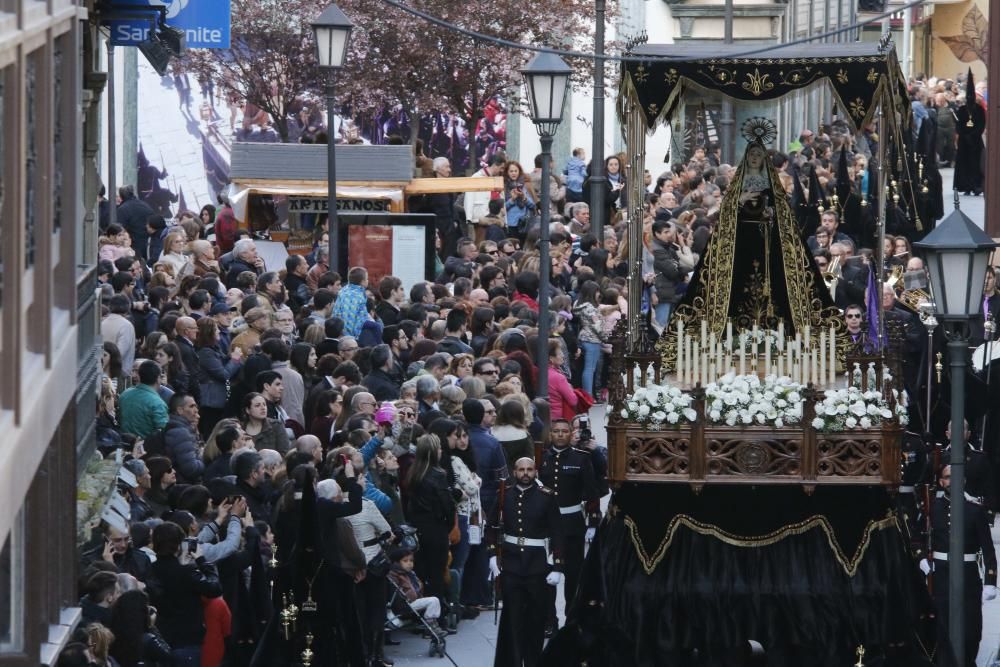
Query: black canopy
{"points": [[859, 73]]}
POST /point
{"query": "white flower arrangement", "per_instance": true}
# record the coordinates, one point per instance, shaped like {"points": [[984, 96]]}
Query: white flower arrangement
{"points": [[745, 400], [855, 408], [656, 406]]}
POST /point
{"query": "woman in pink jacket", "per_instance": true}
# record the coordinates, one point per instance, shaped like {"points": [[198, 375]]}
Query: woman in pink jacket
{"points": [[562, 398]]}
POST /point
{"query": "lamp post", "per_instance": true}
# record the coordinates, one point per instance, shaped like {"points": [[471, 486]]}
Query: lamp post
{"points": [[598, 179], [332, 30], [546, 80], [957, 253]]}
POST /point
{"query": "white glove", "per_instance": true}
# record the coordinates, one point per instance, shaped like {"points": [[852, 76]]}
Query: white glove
{"points": [[494, 567], [590, 535], [925, 567], [555, 578], [989, 593]]}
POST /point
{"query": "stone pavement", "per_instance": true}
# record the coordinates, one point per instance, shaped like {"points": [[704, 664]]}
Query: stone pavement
{"points": [[170, 137]]}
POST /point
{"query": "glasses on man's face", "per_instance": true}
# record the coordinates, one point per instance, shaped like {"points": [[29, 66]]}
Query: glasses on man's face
{"points": [[853, 316], [491, 371]]}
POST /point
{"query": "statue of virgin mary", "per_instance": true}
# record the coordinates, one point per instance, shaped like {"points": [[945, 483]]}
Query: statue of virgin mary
{"points": [[756, 269]]}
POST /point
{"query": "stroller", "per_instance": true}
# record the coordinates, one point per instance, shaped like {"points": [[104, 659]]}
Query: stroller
{"points": [[399, 612]]}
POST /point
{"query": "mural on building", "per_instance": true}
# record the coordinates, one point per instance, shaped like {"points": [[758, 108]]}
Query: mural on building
{"points": [[960, 38], [971, 43]]}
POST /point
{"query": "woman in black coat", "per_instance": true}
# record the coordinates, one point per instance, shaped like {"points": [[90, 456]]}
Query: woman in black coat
{"points": [[431, 510], [178, 581], [137, 641]]}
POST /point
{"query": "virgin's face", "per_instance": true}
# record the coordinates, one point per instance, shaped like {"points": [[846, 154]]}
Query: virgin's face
{"points": [[613, 166], [756, 158]]}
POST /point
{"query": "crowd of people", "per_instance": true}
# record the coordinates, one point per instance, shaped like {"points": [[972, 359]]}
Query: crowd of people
{"points": [[236, 394]]}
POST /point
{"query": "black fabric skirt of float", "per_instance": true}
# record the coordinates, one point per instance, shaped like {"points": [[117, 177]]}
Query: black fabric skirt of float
{"points": [[663, 585]]}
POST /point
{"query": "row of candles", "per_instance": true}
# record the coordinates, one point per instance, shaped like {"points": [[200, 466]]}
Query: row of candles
{"points": [[806, 358]]}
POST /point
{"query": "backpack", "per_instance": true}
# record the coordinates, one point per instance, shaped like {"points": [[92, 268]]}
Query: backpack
{"points": [[156, 443]]}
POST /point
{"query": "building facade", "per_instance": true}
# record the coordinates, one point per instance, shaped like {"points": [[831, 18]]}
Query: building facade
{"points": [[48, 327]]}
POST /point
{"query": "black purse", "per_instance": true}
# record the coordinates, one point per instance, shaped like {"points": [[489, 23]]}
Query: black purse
{"points": [[380, 565]]}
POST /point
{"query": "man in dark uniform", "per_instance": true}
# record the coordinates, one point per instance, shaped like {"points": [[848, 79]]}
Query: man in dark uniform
{"points": [[569, 472], [913, 498], [530, 529], [978, 473], [977, 540]]}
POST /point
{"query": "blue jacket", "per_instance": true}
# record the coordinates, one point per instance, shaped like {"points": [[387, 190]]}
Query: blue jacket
{"points": [[351, 306], [516, 212], [576, 174], [181, 445], [372, 492], [490, 460], [215, 370]]}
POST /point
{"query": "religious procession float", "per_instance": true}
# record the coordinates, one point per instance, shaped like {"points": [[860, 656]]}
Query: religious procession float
{"points": [[754, 447]]}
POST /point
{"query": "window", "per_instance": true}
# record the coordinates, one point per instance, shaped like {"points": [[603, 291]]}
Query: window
{"points": [[12, 588], [30, 158], [57, 133]]}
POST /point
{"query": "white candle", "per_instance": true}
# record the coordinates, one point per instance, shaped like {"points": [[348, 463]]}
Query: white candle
{"points": [[808, 339], [680, 352], [697, 358], [704, 366], [814, 373], [833, 356], [781, 335], [767, 358], [704, 332], [753, 358], [729, 335], [743, 361], [822, 358]]}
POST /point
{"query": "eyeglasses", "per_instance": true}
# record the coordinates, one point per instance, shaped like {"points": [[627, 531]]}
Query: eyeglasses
{"points": [[853, 316]]}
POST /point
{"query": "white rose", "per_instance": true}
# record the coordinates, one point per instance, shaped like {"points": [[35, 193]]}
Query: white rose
{"points": [[643, 410], [691, 415], [673, 417], [633, 406], [624, 414], [794, 397], [781, 403], [873, 409], [842, 409], [865, 422], [820, 409], [858, 408], [761, 419], [850, 422], [714, 415], [731, 420], [746, 417], [779, 423], [818, 423], [659, 416], [886, 414]]}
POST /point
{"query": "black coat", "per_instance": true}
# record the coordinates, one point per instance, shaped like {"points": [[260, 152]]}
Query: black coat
{"points": [[382, 385], [132, 215], [176, 591], [236, 267], [189, 355]]}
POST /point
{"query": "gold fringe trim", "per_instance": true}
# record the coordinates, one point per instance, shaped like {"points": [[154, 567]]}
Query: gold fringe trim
{"points": [[850, 565]]}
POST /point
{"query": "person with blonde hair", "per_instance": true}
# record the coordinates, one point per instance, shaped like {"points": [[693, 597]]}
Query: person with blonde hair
{"points": [[203, 258], [173, 255]]}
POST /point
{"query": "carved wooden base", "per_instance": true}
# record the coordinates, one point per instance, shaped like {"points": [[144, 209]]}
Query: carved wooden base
{"points": [[701, 454]]}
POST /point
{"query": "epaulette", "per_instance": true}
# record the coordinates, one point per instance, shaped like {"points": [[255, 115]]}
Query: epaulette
{"points": [[547, 490]]}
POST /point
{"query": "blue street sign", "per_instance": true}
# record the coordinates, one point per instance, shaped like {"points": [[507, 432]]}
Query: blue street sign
{"points": [[205, 22]]}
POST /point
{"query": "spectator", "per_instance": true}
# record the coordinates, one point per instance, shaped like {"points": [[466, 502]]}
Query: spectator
{"points": [[143, 411], [181, 439], [351, 305]]}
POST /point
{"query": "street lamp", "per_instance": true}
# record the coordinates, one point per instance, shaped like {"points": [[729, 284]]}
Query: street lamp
{"points": [[546, 80], [332, 30], [957, 253]]}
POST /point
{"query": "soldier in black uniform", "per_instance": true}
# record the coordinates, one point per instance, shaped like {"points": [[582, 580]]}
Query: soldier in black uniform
{"points": [[530, 528], [914, 498], [569, 472], [978, 472], [977, 540]]}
